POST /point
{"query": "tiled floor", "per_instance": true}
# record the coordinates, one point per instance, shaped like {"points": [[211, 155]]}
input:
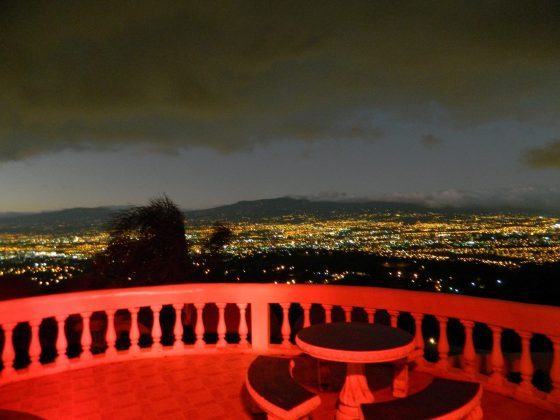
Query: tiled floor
{"points": [[191, 387]]}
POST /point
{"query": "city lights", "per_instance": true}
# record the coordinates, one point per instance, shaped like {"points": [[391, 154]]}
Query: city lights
{"points": [[501, 240]]}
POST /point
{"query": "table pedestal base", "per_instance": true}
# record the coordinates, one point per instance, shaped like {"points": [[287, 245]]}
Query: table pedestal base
{"points": [[354, 392], [400, 379]]}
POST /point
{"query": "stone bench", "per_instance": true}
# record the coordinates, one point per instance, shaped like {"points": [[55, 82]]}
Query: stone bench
{"points": [[272, 387], [442, 399]]}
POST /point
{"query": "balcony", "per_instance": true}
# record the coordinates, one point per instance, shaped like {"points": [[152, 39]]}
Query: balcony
{"points": [[133, 349]]}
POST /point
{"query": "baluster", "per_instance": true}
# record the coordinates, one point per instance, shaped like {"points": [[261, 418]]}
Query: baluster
{"points": [[306, 310], [134, 333], [443, 344], [328, 313], [497, 357], [370, 315], [394, 318], [86, 336], [222, 329], [285, 325], [347, 313], [418, 336], [199, 328], [178, 328], [243, 329], [554, 395], [525, 363], [61, 341], [8, 353], [111, 336], [156, 329], [469, 352], [35, 345]]}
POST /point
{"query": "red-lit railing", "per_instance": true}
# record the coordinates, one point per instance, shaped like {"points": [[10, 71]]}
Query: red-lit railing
{"points": [[249, 312]]}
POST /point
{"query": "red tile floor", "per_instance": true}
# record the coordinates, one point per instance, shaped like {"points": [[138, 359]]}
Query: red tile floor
{"points": [[206, 386]]}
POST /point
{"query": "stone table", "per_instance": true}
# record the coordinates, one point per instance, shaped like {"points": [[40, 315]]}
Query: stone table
{"points": [[357, 343]]}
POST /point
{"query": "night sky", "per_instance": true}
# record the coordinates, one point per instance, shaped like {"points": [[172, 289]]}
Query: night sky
{"points": [[111, 103]]}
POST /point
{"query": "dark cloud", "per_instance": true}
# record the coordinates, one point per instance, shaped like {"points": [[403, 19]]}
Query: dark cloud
{"points": [[430, 141], [544, 157], [229, 75]]}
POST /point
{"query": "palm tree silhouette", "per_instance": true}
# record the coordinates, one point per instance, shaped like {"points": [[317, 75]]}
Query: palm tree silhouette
{"points": [[147, 245]]}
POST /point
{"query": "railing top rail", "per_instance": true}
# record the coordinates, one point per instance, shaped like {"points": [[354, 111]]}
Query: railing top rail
{"points": [[518, 316]]}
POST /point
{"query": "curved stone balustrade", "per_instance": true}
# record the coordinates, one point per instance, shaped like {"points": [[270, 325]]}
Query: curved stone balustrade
{"points": [[446, 329]]}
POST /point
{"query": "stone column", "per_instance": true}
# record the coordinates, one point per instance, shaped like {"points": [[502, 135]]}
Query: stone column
{"points": [[370, 315], [199, 328], [134, 334], [178, 327], [221, 325], [35, 345], [8, 353], [328, 313], [243, 329], [469, 353], [285, 324], [554, 395], [443, 344], [306, 314], [61, 341], [394, 318], [418, 337], [111, 336], [525, 363], [347, 313], [156, 329]]}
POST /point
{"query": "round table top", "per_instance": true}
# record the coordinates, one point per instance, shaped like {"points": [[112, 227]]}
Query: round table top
{"points": [[355, 342]]}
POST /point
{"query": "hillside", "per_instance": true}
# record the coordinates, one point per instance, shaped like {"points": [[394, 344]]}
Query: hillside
{"points": [[79, 219]]}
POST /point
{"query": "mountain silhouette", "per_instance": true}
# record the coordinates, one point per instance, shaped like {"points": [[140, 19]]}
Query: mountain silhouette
{"points": [[288, 206], [81, 219]]}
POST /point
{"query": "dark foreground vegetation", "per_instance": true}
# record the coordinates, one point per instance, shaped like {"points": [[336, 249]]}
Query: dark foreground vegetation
{"points": [[529, 283]]}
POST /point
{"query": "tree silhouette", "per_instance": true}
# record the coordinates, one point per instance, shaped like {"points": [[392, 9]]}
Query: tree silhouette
{"points": [[218, 238], [213, 254], [147, 245]]}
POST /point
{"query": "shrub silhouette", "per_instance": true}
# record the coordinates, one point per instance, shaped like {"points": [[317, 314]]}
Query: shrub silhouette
{"points": [[213, 255]]}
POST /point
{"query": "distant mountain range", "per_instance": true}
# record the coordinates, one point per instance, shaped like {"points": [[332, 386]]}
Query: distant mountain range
{"points": [[75, 219], [288, 206], [80, 219]]}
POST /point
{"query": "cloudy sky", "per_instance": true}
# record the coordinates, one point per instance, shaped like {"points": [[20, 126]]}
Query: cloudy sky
{"points": [[215, 102]]}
